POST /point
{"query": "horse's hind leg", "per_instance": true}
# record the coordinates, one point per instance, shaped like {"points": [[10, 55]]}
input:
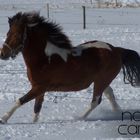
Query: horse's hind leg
{"points": [[32, 94], [100, 85], [108, 92], [97, 97], [37, 107]]}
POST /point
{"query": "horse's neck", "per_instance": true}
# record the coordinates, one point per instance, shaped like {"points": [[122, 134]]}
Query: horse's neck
{"points": [[33, 56]]}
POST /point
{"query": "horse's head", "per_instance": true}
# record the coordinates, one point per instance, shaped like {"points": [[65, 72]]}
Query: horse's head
{"points": [[16, 35]]}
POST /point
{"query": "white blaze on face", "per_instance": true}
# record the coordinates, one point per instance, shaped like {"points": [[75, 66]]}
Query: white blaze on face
{"points": [[51, 49]]}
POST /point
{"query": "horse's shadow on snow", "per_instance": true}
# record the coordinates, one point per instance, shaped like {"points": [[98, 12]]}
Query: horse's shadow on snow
{"points": [[121, 115], [100, 115]]}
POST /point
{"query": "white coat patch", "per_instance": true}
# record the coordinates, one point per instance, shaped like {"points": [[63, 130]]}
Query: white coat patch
{"points": [[32, 25], [98, 44], [51, 49]]}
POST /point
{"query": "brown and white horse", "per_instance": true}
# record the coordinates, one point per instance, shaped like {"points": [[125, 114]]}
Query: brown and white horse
{"points": [[54, 65]]}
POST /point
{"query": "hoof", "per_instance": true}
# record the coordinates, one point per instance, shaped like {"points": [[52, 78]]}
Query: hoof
{"points": [[2, 121], [117, 108], [81, 118], [36, 118]]}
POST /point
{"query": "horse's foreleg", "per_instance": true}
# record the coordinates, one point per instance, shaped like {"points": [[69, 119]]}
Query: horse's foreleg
{"points": [[8, 114], [37, 107], [33, 93], [108, 92], [95, 102], [97, 98]]}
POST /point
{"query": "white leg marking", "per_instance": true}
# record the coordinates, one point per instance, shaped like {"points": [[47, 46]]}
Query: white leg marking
{"points": [[108, 92], [92, 107], [36, 117], [8, 114]]}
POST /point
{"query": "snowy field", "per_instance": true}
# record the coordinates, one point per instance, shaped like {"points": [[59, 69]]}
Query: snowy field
{"points": [[120, 27]]}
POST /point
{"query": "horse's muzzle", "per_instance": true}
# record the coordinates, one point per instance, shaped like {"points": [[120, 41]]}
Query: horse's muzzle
{"points": [[3, 56]]}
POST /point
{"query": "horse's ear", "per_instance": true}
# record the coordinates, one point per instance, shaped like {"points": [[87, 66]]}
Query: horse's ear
{"points": [[9, 19]]}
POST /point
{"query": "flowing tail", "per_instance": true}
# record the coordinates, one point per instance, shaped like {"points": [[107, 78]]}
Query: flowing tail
{"points": [[131, 67]]}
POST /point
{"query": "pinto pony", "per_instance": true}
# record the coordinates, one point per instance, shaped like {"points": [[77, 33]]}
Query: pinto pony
{"points": [[53, 64]]}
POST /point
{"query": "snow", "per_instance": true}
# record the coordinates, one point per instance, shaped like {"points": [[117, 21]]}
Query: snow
{"points": [[60, 112]]}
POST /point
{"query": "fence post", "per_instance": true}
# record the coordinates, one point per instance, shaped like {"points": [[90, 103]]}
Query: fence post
{"points": [[99, 4], [91, 2], [48, 11], [116, 3], [84, 17]]}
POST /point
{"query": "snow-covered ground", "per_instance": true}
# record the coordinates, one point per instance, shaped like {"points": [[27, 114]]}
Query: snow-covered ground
{"points": [[120, 27]]}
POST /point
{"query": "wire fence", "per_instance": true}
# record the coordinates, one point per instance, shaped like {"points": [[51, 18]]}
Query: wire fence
{"points": [[69, 17], [77, 14]]}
